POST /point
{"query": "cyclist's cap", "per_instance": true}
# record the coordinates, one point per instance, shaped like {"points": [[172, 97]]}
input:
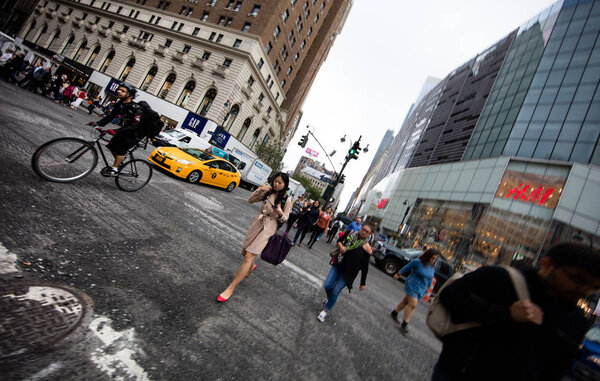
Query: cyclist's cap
{"points": [[132, 90]]}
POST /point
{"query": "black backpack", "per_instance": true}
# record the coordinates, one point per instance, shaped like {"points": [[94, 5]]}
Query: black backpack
{"points": [[150, 121]]}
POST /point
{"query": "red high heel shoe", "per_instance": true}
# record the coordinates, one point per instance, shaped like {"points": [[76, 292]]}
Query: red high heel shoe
{"points": [[221, 299], [254, 268]]}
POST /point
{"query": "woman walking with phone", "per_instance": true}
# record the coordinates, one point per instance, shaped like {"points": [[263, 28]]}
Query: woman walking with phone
{"points": [[275, 210]]}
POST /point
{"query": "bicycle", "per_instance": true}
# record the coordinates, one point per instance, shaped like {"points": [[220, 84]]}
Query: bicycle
{"points": [[65, 160]]}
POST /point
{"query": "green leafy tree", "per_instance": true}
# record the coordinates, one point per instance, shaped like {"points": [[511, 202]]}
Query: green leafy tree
{"points": [[312, 192], [271, 154]]}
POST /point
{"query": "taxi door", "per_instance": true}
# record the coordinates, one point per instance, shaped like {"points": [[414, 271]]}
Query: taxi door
{"points": [[216, 176]]}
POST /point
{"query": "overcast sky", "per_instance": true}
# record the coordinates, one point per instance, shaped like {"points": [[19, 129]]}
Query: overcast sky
{"points": [[379, 62]]}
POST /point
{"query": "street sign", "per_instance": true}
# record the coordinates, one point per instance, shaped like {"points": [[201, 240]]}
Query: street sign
{"points": [[312, 152]]}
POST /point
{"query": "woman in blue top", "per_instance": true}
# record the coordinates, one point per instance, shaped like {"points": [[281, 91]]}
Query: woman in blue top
{"points": [[416, 285]]}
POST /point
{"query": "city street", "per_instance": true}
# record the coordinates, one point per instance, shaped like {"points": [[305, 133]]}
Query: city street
{"points": [[146, 268]]}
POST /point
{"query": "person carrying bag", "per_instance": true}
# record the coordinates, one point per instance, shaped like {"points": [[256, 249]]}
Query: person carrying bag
{"points": [[351, 255], [273, 212]]}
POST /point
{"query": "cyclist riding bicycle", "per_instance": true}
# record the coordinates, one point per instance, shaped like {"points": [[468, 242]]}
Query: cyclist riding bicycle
{"points": [[131, 131]]}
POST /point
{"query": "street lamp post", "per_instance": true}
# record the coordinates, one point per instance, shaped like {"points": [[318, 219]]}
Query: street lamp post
{"points": [[406, 211], [215, 136]]}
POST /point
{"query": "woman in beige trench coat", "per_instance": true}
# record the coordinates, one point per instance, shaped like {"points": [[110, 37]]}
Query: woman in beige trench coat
{"points": [[263, 226]]}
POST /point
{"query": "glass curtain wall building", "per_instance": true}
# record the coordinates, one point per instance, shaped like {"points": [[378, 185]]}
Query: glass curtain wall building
{"points": [[530, 174], [545, 103]]}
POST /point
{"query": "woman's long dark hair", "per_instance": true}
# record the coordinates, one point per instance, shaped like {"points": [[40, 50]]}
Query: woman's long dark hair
{"points": [[282, 193], [428, 254]]}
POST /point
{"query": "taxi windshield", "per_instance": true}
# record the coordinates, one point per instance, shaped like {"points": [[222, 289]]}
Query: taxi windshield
{"points": [[198, 153]]}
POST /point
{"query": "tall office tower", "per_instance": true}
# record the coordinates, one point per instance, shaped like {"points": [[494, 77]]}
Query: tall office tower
{"points": [[245, 65], [458, 108], [545, 103]]}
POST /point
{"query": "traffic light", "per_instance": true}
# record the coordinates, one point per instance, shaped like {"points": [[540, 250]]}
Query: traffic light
{"points": [[303, 141], [354, 151], [342, 179]]}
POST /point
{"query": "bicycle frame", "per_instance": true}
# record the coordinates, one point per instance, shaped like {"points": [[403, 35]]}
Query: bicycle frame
{"points": [[132, 175], [129, 151]]}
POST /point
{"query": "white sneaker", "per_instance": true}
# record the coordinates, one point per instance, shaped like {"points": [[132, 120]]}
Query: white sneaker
{"points": [[322, 315]]}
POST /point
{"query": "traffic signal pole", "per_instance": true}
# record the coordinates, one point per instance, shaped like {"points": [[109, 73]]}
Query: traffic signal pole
{"points": [[352, 154]]}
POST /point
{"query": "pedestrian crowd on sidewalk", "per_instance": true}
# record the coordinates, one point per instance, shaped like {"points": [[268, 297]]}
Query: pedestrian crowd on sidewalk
{"points": [[38, 79], [497, 335]]}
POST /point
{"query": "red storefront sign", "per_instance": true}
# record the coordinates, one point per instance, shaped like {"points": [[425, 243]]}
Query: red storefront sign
{"points": [[382, 203], [538, 195], [532, 188]]}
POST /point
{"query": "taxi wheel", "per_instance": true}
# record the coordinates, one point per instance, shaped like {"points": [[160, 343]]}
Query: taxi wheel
{"points": [[194, 177], [230, 187]]}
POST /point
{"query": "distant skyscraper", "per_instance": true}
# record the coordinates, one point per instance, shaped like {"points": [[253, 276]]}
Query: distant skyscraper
{"points": [[385, 143]]}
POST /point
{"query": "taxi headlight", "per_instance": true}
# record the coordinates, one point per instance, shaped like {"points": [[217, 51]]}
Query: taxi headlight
{"points": [[184, 162]]}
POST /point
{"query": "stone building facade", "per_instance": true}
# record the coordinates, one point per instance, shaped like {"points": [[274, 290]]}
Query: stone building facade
{"points": [[217, 58]]}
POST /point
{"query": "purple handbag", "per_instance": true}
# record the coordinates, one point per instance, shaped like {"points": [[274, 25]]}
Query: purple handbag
{"points": [[277, 249]]}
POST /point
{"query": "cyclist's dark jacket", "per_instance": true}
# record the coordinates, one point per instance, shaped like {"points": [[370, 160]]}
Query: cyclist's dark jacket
{"points": [[130, 115], [131, 130]]}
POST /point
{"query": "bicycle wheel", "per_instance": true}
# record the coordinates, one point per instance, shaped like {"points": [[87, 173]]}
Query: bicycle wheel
{"points": [[134, 175], [64, 160]]}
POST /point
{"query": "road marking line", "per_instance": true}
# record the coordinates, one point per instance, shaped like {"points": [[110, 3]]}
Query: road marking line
{"points": [[46, 372], [116, 356], [8, 261], [313, 279]]}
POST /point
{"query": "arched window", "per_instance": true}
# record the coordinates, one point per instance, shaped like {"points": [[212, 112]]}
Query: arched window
{"points": [[31, 27], [127, 69], [244, 129], [42, 30], [67, 45], [93, 56], [231, 115], [107, 61], [166, 87], [80, 50], [254, 138], [186, 94], [53, 38], [207, 101], [149, 78]]}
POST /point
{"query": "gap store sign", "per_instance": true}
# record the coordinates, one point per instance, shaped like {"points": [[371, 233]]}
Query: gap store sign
{"points": [[531, 188]]}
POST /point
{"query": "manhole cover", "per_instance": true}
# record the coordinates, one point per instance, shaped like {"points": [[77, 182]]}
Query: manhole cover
{"points": [[35, 317]]}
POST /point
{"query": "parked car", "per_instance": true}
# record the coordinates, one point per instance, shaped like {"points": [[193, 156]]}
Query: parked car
{"points": [[391, 259], [196, 166], [443, 271], [587, 363]]}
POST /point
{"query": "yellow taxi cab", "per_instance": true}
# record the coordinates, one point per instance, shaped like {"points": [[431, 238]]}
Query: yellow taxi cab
{"points": [[197, 166]]}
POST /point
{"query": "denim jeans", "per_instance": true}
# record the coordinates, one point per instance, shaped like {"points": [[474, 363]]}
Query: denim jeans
{"points": [[334, 284]]}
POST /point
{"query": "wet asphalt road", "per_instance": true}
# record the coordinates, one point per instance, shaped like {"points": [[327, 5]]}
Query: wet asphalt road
{"points": [[153, 263]]}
